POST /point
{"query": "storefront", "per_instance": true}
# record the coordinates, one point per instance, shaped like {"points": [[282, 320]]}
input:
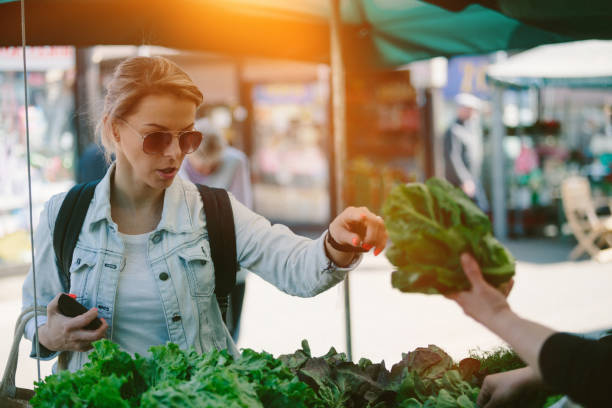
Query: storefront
{"points": [[52, 140], [554, 111], [385, 136]]}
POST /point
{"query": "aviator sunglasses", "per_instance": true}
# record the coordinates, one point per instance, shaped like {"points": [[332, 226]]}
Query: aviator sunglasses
{"points": [[157, 141]]}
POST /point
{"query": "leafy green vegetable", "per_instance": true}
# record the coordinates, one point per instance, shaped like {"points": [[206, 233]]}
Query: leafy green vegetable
{"points": [[498, 360], [430, 225], [415, 381], [426, 377], [172, 377]]}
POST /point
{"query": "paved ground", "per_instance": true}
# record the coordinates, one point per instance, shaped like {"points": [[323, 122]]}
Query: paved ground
{"points": [[570, 296]]}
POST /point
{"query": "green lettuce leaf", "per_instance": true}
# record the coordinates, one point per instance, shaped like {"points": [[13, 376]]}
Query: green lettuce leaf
{"points": [[430, 225]]}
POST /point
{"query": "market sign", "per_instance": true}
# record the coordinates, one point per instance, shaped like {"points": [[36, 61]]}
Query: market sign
{"points": [[467, 75], [37, 58]]}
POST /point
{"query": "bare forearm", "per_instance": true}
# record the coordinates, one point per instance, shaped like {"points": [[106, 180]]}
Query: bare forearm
{"points": [[524, 336]]}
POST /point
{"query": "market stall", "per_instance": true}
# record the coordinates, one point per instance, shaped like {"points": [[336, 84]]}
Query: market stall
{"points": [[551, 122], [379, 43], [51, 77]]}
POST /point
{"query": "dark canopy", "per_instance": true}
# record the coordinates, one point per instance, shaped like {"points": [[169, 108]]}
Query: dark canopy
{"points": [[377, 33]]}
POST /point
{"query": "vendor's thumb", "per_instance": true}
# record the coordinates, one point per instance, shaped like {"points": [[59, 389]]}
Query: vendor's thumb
{"points": [[471, 269]]}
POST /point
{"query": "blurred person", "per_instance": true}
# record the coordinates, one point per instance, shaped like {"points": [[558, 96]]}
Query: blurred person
{"points": [[216, 164], [142, 261], [92, 164], [463, 152], [561, 362]]}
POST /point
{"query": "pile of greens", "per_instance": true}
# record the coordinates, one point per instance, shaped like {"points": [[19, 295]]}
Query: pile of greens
{"points": [[425, 377], [172, 378], [430, 225], [175, 378]]}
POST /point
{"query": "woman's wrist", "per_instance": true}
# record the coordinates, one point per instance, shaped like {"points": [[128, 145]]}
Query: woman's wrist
{"points": [[340, 258], [42, 337]]}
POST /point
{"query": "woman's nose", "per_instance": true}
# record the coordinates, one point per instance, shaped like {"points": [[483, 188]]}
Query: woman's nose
{"points": [[174, 149]]}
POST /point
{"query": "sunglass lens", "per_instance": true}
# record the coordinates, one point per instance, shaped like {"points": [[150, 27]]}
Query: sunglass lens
{"points": [[156, 142], [190, 141]]}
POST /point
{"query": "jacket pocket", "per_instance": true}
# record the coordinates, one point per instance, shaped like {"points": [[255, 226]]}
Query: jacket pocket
{"points": [[83, 264], [199, 269]]}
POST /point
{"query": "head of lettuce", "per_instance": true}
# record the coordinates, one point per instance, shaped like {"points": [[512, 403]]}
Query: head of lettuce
{"points": [[430, 226]]}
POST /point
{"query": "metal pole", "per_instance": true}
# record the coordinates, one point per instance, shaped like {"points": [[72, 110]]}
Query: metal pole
{"points": [[27, 129], [339, 137], [500, 224]]}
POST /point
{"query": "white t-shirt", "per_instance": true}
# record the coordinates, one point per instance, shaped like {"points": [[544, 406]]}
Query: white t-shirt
{"points": [[139, 320]]}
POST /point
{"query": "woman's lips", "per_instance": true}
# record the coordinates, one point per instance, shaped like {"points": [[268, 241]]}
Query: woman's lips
{"points": [[167, 173]]}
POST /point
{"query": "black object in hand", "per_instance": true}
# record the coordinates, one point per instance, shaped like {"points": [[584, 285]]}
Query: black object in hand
{"points": [[68, 306]]}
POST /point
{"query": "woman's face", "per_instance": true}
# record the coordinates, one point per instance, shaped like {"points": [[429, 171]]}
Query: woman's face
{"points": [[153, 113]]}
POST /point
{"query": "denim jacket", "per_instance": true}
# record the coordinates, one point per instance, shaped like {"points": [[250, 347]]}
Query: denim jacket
{"points": [[178, 255]]}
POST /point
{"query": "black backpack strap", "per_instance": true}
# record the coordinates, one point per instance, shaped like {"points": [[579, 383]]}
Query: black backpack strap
{"points": [[68, 226], [222, 240]]}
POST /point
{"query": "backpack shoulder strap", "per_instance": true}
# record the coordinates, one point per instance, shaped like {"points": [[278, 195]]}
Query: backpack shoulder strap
{"points": [[222, 239], [68, 226]]}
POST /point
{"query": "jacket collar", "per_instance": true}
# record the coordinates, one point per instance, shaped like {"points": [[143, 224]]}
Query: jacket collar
{"points": [[176, 214]]}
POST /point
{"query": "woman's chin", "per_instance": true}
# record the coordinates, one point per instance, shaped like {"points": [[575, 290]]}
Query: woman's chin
{"points": [[161, 182]]}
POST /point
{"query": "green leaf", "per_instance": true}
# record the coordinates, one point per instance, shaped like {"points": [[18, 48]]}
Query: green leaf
{"points": [[430, 225]]}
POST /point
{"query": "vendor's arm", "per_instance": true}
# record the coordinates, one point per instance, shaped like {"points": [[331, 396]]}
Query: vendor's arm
{"points": [[566, 363], [298, 265], [579, 368], [488, 306]]}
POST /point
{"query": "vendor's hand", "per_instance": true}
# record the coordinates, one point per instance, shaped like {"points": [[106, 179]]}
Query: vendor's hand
{"points": [[482, 301], [505, 389], [62, 333], [357, 227]]}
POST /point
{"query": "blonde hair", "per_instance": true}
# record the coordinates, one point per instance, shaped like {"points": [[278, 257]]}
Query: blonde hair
{"points": [[135, 78]]}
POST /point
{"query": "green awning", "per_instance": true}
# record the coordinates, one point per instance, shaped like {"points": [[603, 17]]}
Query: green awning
{"points": [[377, 33]]}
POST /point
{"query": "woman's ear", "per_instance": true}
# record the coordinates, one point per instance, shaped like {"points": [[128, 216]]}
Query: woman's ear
{"points": [[114, 130], [111, 128]]}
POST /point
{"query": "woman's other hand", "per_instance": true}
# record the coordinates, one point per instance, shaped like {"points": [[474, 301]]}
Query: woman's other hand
{"points": [[482, 301], [357, 227], [505, 389], [62, 333]]}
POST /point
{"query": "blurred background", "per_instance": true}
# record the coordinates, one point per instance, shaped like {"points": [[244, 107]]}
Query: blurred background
{"points": [[538, 81]]}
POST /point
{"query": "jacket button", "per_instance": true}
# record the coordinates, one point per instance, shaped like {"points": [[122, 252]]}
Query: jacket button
{"points": [[157, 238], [176, 318], [163, 276]]}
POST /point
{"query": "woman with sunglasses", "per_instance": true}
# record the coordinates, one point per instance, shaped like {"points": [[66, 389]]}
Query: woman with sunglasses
{"points": [[142, 262]]}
